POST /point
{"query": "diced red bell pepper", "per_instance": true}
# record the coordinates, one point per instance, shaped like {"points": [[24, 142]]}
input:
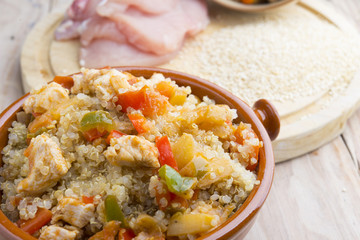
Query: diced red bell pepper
{"points": [[42, 217], [147, 101], [64, 81], [114, 134], [93, 134], [165, 152], [140, 123], [86, 199], [126, 234]]}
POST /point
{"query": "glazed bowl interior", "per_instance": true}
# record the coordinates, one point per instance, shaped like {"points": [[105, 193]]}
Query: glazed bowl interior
{"points": [[241, 221]]}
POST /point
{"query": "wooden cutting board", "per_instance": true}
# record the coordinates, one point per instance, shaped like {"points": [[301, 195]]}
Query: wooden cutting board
{"points": [[306, 124]]}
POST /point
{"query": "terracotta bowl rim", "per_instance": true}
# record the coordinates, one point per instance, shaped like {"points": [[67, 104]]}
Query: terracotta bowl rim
{"points": [[266, 167], [253, 8]]}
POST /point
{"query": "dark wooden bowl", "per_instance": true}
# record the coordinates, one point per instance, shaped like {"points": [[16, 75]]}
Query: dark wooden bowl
{"points": [[263, 118]]}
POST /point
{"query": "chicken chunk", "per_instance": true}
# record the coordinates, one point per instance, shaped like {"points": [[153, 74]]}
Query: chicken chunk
{"points": [[213, 118], [48, 97], [57, 233], [104, 83], [132, 151], [74, 212], [217, 170], [46, 164]]}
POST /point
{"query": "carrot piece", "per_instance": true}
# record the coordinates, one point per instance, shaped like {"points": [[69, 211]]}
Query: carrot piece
{"points": [[114, 134], [64, 81], [165, 152], [108, 233], [139, 121], [42, 217]]}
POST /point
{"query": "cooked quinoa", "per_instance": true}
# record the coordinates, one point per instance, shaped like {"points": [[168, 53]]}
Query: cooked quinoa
{"points": [[125, 155]]}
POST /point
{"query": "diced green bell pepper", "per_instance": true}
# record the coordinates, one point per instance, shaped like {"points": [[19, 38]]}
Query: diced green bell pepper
{"points": [[113, 211], [38, 132], [174, 181], [100, 120]]}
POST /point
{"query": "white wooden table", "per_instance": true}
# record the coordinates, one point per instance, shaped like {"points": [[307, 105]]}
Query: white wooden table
{"points": [[315, 196]]}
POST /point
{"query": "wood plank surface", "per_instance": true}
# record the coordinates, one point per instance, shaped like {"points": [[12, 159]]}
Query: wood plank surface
{"points": [[16, 21], [315, 196]]}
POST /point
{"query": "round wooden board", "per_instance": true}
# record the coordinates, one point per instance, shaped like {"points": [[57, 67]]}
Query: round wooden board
{"points": [[306, 124]]}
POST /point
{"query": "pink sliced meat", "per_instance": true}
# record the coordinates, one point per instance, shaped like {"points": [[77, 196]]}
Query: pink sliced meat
{"points": [[146, 6], [100, 28], [131, 32], [78, 12], [82, 9], [68, 29], [162, 33], [102, 53], [196, 12]]}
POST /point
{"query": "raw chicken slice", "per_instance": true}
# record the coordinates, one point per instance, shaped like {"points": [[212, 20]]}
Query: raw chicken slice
{"points": [[68, 29], [132, 151], [100, 28], [78, 12], [196, 11], [153, 6], [46, 164], [46, 98], [74, 212], [101, 53], [57, 233], [160, 34], [82, 9], [131, 32]]}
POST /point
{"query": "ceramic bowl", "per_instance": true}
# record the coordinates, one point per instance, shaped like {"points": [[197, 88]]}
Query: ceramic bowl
{"points": [[263, 118], [261, 7]]}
